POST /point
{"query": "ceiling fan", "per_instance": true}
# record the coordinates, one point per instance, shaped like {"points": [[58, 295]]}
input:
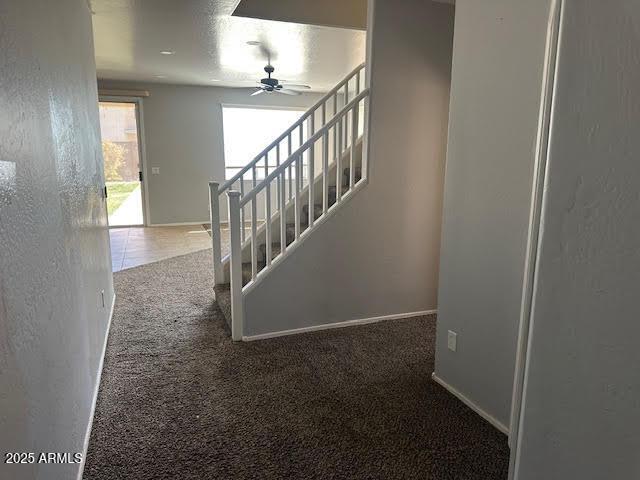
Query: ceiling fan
{"points": [[273, 85]]}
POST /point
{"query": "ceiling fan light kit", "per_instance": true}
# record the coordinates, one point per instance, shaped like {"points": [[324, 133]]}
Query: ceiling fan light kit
{"points": [[273, 85]]}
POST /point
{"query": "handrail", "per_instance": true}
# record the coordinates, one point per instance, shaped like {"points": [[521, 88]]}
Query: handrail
{"points": [[305, 146], [226, 185]]}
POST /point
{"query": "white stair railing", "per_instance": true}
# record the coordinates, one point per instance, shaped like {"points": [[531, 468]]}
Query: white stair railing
{"points": [[310, 123], [337, 138]]}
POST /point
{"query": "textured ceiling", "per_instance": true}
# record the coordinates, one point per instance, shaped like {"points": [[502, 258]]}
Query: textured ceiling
{"points": [[210, 45], [332, 13]]}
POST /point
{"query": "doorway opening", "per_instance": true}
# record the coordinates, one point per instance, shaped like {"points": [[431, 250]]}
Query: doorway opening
{"points": [[121, 149]]}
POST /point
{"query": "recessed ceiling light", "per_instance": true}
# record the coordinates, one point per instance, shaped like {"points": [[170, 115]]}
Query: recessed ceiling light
{"points": [[160, 76], [216, 80], [253, 42], [167, 52]]}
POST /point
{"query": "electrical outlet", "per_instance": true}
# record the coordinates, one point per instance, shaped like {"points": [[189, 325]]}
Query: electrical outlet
{"points": [[102, 296], [155, 170], [452, 340]]}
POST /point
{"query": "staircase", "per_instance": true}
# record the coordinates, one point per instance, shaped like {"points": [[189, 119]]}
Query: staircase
{"points": [[291, 188]]}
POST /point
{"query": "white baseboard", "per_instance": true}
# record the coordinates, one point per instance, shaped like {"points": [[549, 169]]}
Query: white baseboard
{"points": [[85, 447], [347, 323], [179, 224], [469, 403], [223, 224]]}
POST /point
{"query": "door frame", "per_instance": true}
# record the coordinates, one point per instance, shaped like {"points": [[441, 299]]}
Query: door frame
{"points": [[142, 151], [545, 124]]}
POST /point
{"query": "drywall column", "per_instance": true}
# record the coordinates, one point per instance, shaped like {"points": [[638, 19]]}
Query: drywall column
{"points": [[498, 59], [54, 245], [581, 416]]}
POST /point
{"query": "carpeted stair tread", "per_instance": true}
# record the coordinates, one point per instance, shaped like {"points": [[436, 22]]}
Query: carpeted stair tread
{"points": [[223, 298], [246, 271], [275, 250], [317, 211], [347, 171], [223, 291]]}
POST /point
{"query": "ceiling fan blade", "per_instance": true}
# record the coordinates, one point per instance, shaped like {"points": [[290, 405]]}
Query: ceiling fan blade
{"points": [[257, 92], [294, 85], [287, 92]]}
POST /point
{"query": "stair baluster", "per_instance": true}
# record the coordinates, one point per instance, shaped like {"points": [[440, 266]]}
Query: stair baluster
{"points": [[214, 212], [236, 265]]}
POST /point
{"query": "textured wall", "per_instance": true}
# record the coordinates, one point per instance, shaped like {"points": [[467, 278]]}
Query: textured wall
{"points": [[498, 56], [379, 254], [183, 135], [54, 254], [581, 417]]}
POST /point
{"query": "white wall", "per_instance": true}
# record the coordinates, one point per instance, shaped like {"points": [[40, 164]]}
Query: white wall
{"points": [[581, 416], [54, 254], [498, 58], [379, 254], [184, 138]]}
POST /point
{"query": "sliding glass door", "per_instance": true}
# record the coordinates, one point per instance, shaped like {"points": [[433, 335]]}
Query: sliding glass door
{"points": [[119, 126]]}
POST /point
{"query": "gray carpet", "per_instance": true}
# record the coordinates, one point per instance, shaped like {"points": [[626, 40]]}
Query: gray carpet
{"points": [[179, 400]]}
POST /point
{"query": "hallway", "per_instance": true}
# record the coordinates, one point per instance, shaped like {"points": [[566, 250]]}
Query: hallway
{"points": [[178, 399]]}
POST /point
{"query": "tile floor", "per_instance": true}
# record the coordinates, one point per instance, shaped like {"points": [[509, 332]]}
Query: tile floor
{"points": [[135, 246]]}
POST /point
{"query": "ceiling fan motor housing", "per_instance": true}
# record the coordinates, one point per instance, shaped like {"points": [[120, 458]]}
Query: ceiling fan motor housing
{"points": [[270, 85], [272, 82]]}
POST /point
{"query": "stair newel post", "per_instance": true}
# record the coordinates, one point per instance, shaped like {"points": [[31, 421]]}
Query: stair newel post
{"points": [[214, 215], [235, 227]]}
